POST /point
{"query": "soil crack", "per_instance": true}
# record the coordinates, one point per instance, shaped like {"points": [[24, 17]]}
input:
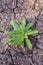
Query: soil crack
{"points": [[11, 56]]}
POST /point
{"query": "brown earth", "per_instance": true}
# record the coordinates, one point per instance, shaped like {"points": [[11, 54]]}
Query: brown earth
{"points": [[32, 10]]}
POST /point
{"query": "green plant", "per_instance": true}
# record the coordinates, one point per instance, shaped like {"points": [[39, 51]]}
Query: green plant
{"points": [[20, 32]]}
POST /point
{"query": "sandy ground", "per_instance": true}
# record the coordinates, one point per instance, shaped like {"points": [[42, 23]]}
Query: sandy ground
{"points": [[32, 10]]}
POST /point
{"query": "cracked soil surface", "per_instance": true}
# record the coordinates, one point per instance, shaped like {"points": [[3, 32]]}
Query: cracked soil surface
{"points": [[32, 10]]}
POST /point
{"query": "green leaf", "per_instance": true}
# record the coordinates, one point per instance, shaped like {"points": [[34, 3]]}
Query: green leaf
{"points": [[23, 23], [32, 32], [10, 42], [14, 32], [28, 43], [9, 32], [16, 40], [22, 45], [15, 25], [29, 25], [28, 31]]}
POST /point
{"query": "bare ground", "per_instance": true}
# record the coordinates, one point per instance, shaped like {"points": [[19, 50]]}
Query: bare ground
{"points": [[32, 10]]}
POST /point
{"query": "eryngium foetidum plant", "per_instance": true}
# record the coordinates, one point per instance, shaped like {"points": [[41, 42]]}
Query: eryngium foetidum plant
{"points": [[20, 32]]}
